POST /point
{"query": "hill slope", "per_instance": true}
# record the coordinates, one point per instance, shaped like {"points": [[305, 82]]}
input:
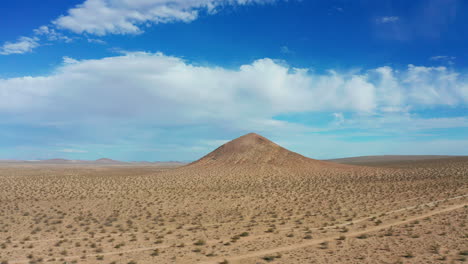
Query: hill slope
{"points": [[255, 150]]}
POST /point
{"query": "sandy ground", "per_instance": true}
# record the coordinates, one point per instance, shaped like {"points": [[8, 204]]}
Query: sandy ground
{"points": [[249, 202]]}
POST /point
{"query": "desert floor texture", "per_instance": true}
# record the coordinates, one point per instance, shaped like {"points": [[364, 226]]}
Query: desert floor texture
{"points": [[249, 201]]}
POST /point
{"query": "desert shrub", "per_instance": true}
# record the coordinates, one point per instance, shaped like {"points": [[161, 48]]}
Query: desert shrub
{"points": [[408, 255], [434, 249], [119, 245], [271, 257], [268, 258], [200, 242]]}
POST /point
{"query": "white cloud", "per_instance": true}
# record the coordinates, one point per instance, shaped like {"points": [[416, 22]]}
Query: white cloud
{"points": [[101, 17], [68, 60], [28, 44], [73, 151], [97, 41], [389, 87], [23, 45], [387, 19], [401, 123], [444, 59], [163, 90], [439, 58], [339, 118], [435, 85], [51, 34]]}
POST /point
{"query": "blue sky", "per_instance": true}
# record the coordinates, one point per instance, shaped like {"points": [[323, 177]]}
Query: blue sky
{"points": [[171, 80]]}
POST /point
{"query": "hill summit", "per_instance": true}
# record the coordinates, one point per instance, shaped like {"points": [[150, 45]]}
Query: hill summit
{"points": [[253, 149]]}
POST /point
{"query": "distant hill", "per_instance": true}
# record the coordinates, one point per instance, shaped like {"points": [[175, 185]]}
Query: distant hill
{"points": [[108, 161], [252, 151], [102, 161], [55, 161]]}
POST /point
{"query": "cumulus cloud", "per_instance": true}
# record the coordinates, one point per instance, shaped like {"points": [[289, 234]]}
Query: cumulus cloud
{"points": [[135, 99], [28, 44], [435, 86], [101, 17], [23, 45], [164, 90], [51, 34]]}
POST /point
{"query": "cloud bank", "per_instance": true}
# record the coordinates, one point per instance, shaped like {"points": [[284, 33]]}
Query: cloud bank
{"points": [[165, 90]]}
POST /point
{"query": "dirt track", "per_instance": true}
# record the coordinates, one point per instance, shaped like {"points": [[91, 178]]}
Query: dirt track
{"points": [[321, 240], [290, 247]]}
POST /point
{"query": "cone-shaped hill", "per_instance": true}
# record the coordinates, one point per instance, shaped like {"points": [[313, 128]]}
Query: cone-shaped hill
{"points": [[253, 149]]}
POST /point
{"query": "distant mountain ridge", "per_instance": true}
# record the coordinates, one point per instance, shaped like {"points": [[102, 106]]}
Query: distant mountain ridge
{"points": [[101, 161], [248, 149]]}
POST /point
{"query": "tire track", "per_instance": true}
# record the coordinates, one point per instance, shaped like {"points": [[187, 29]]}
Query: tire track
{"points": [[327, 239], [295, 246]]}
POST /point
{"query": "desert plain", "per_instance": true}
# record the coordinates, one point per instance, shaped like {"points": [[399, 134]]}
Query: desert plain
{"points": [[249, 201]]}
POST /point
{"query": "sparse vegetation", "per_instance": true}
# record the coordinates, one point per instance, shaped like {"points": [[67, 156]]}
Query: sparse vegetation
{"points": [[200, 242], [408, 255], [271, 257], [121, 214]]}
